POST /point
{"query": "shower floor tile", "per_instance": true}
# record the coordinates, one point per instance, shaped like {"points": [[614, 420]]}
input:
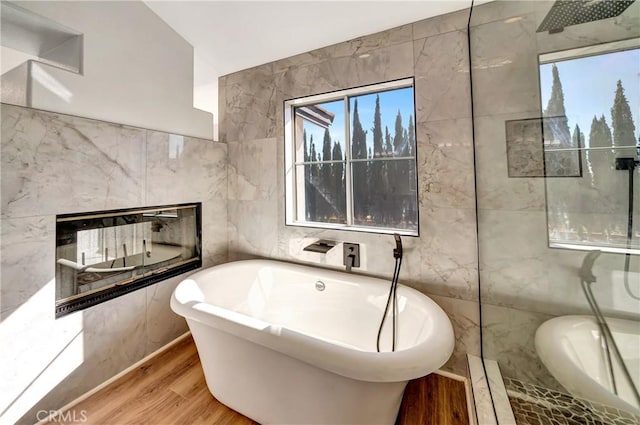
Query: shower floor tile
{"points": [[534, 405]]}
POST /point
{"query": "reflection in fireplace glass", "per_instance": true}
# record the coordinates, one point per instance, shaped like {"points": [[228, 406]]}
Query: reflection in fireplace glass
{"points": [[102, 255]]}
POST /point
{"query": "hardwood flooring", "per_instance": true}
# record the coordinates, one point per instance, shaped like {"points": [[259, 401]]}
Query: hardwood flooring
{"points": [[170, 389]]}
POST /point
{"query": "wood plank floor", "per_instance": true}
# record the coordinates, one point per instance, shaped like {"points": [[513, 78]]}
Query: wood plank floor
{"points": [[170, 389]]}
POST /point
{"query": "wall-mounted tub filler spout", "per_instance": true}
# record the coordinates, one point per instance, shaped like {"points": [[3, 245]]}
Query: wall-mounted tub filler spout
{"points": [[322, 246], [351, 255]]}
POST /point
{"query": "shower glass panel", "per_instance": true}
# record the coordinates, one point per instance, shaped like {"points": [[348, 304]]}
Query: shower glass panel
{"points": [[556, 113]]}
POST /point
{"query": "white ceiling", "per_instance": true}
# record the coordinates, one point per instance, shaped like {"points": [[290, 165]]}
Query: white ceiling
{"points": [[233, 35], [229, 36]]}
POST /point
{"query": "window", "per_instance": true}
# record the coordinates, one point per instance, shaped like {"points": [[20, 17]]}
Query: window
{"points": [[593, 95], [350, 159]]}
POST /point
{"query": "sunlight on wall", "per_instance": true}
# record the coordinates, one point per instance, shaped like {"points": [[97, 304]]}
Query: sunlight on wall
{"points": [[47, 81], [38, 352]]}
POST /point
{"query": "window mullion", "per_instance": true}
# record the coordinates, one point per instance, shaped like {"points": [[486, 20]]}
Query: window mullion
{"points": [[348, 182]]}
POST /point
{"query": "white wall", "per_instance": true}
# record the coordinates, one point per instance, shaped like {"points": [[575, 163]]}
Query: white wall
{"points": [[137, 70]]}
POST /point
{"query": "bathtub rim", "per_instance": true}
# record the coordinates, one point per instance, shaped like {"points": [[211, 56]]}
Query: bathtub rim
{"points": [[414, 362], [572, 377]]}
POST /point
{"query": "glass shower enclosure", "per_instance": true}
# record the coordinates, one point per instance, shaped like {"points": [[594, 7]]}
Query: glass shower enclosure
{"points": [[556, 112]]}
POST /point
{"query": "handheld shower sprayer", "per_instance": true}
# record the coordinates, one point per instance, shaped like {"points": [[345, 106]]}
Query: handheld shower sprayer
{"points": [[397, 254], [586, 270]]}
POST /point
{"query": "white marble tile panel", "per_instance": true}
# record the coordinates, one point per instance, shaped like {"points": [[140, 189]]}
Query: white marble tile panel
{"points": [[214, 233], [253, 169], [502, 10], [351, 48], [447, 249], [445, 164], [518, 270], [442, 86], [496, 190], [343, 72], [465, 318], [163, 325], [441, 24], [253, 229], [251, 109], [54, 164], [508, 337], [184, 169], [504, 63], [28, 260]]}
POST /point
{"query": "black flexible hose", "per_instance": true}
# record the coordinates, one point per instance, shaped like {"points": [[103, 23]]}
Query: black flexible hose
{"points": [[395, 305], [392, 291], [627, 257]]}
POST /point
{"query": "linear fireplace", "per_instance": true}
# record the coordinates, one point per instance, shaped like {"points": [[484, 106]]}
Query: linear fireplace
{"points": [[105, 254]]}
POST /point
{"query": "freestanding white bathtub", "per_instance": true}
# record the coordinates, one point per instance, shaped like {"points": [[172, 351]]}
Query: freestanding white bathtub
{"points": [[572, 349], [290, 344]]}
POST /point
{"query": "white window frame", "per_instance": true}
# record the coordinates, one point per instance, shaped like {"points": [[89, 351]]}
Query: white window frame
{"points": [[291, 175]]}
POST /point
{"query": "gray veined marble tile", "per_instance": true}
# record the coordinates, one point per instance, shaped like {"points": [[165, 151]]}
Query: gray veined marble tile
{"points": [[508, 338], [504, 64], [442, 77], [54, 164], [214, 233], [251, 108], [465, 319], [448, 253], [253, 229], [502, 10], [441, 24], [163, 325], [28, 260], [496, 190], [343, 72], [351, 48], [222, 106], [253, 169], [184, 169], [445, 164]]}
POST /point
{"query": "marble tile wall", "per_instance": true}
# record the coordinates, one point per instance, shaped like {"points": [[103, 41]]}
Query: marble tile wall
{"points": [[54, 164], [523, 282], [441, 262]]}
